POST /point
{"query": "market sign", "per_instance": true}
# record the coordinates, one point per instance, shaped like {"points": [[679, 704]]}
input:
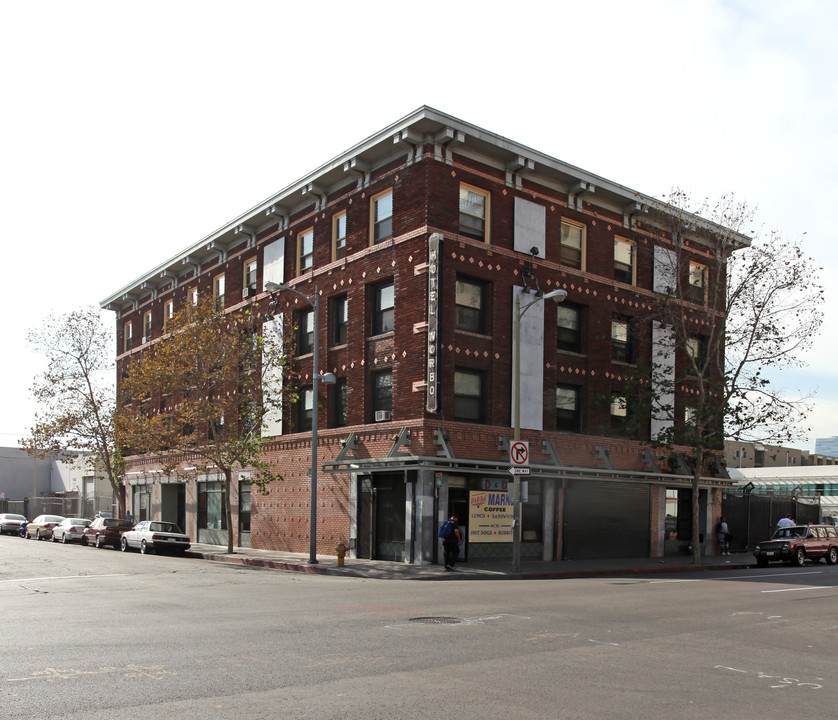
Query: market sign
{"points": [[489, 517]]}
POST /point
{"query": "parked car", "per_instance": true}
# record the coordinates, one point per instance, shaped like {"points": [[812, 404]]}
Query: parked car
{"points": [[105, 531], [798, 543], [69, 529], [10, 523], [155, 536], [41, 527]]}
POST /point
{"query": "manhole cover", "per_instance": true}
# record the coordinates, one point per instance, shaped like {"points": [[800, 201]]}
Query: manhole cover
{"points": [[437, 620]]}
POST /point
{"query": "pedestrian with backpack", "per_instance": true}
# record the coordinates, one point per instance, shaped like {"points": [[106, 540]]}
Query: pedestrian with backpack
{"points": [[451, 536]]}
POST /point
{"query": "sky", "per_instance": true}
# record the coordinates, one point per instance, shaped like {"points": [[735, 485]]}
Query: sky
{"points": [[131, 131]]}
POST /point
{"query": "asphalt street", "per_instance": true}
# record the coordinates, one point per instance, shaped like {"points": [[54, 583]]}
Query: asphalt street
{"points": [[100, 634]]}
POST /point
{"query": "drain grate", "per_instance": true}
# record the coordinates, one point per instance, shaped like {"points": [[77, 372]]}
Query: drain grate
{"points": [[437, 620]]}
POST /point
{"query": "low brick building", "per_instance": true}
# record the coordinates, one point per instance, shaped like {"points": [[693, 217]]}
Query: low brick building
{"points": [[420, 242]]}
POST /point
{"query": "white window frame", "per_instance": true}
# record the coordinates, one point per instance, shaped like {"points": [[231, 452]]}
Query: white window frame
{"points": [[583, 242], [375, 220]]}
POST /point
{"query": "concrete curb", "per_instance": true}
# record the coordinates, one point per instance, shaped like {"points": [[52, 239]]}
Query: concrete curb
{"points": [[388, 571], [260, 562]]}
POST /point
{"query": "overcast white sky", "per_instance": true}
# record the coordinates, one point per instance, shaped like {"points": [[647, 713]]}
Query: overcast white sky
{"points": [[131, 131]]}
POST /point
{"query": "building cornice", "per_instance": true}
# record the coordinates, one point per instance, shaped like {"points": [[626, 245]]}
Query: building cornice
{"points": [[404, 139]]}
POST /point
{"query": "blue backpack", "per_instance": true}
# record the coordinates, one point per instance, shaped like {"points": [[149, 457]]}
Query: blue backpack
{"points": [[445, 530]]}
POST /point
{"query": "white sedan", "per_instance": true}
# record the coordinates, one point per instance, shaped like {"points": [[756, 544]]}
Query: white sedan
{"points": [[69, 529], [10, 523], [155, 536]]}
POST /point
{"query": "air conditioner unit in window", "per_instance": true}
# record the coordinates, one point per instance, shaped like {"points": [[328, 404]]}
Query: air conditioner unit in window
{"points": [[382, 415], [248, 292], [145, 339]]}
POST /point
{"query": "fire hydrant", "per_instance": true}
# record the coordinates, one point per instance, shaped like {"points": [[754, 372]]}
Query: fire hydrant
{"points": [[341, 551]]}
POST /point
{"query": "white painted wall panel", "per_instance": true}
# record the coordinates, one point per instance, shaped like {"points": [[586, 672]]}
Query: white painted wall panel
{"points": [[274, 262], [530, 225], [663, 378], [532, 362]]}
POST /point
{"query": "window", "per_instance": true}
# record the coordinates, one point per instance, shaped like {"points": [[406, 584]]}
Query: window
{"points": [[194, 295], [469, 396], [697, 287], [383, 304], [690, 416], [244, 506], [470, 303], [622, 339], [474, 212], [305, 406], [620, 415], [339, 236], [304, 320], [340, 320], [305, 251], [168, 312], [212, 507], [339, 402], [381, 220], [249, 280], [382, 392], [147, 326], [572, 244], [127, 336], [624, 266], [696, 348], [218, 285], [568, 408], [569, 328]]}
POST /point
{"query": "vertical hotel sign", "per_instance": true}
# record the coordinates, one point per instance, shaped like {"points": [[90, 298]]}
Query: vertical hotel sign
{"points": [[433, 319]]}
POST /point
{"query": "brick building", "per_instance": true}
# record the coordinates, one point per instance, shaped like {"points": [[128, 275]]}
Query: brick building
{"points": [[417, 242]]}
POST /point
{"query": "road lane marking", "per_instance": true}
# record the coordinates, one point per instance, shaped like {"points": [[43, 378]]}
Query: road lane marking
{"points": [[813, 587], [63, 577]]}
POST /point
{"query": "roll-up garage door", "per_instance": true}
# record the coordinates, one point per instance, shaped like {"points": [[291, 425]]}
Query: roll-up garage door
{"points": [[605, 520]]}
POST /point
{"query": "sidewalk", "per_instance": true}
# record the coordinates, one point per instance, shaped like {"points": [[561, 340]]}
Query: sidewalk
{"points": [[494, 570]]}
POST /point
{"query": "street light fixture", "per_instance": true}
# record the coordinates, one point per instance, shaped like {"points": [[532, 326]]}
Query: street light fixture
{"points": [[557, 296], [314, 301]]}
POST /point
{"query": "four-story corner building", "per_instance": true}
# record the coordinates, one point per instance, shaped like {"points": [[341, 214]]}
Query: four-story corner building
{"points": [[418, 241]]}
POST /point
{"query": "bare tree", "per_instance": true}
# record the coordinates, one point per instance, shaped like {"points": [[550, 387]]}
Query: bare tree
{"points": [[75, 395], [736, 306], [206, 390]]}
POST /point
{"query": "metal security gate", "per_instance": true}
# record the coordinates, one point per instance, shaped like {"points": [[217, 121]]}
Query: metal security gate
{"points": [[753, 518], [381, 517], [606, 520]]}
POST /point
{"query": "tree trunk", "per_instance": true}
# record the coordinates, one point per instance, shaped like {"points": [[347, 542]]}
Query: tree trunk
{"points": [[228, 484]]}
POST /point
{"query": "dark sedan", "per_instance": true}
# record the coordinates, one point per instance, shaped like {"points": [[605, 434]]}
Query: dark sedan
{"points": [[105, 531]]}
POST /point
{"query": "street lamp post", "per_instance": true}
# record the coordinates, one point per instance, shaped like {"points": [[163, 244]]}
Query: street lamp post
{"points": [[314, 301], [556, 295]]}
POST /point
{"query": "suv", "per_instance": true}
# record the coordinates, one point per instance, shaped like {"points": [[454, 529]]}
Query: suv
{"points": [[797, 543], [105, 531]]}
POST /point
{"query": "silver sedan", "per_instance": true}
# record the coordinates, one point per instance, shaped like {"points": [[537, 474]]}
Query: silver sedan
{"points": [[69, 530], [10, 523], [155, 536]]}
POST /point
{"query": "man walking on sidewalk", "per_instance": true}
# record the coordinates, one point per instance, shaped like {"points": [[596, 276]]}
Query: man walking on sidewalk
{"points": [[451, 536]]}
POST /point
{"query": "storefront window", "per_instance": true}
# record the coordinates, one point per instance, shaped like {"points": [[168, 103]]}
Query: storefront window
{"points": [[244, 506], [212, 507]]}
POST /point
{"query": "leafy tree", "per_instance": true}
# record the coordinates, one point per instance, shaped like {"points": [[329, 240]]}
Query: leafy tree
{"points": [[205, 390], [736, 306], [75, 396]]}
